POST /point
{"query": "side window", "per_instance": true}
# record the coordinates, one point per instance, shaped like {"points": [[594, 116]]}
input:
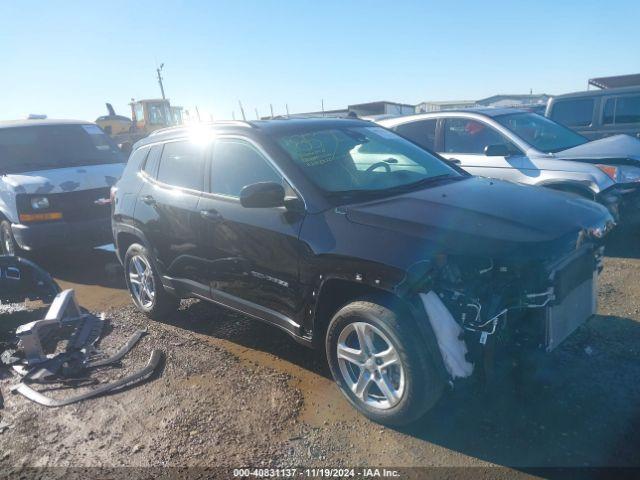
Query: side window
{"points": [[422, 132], [237, 164], [462, 135], [153, 159], [573, 113], [181, 165], [628, 109], [139, 113], [609, 111]]}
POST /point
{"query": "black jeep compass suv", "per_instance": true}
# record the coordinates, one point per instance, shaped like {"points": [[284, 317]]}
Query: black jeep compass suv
{"points": [[353, 239]]}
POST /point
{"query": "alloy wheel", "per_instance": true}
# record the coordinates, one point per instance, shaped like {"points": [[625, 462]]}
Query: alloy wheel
{"points": [[370, 365], [141, 281]]}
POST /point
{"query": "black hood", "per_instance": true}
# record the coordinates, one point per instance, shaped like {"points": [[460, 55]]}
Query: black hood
{"points": [[487, 217], [618, 149]]}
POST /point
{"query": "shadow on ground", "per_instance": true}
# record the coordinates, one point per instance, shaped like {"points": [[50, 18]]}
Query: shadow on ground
{"points": [[209, 319], [581, 408], [624, 242], [86, 267]]}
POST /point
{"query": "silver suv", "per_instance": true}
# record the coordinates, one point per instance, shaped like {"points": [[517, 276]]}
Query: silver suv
{"points": [[528, 148]]}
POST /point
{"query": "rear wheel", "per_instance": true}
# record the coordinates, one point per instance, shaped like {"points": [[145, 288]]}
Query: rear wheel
{"points": [[381, 364], [145, 285], [8, 244]]}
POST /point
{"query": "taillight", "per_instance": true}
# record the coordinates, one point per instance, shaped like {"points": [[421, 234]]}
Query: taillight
{"points": [[112, 194]]}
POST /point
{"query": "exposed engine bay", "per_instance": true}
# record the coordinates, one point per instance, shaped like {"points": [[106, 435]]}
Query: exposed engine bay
{"points": [[489, 300]]}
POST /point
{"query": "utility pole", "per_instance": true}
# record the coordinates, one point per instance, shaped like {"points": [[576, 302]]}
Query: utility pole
{"points": [[159, 70], [286, 105], [271, 107], [257, 116], [322, 103]]}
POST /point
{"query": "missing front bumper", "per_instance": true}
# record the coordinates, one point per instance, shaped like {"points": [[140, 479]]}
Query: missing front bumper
{"points": [[566, 298]]}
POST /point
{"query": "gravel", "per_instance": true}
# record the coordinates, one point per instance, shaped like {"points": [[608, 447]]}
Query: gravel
{"points": [[235, 392]]}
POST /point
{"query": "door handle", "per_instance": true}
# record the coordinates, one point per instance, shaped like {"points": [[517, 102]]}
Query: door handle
{"points": [[148, 199], [211, 214]]}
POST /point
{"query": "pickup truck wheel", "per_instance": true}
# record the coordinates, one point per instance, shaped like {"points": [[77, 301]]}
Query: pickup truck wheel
{"points": [[144, 284], [381, 364], [8, 244]]}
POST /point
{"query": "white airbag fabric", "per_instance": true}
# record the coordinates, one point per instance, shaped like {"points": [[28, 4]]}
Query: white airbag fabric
{"points": [[447, 332]]}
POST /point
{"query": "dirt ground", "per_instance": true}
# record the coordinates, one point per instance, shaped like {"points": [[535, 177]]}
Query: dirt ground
{"points": [[235, 392]]}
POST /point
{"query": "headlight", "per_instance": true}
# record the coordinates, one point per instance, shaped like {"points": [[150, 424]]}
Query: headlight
{"points": [[39, 203], [621, 173], [629, 174]]}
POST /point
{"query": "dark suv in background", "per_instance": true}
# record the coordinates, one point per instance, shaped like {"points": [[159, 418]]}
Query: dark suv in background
{"points": [[350, 238], [598, 113]]}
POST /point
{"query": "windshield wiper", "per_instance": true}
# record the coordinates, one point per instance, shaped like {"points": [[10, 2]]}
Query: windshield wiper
{"points": [[407, 187]]}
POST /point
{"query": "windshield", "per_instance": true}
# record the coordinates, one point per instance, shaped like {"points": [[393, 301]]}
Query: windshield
{"points": [[540, 132], [362, 159], [45, 147]]}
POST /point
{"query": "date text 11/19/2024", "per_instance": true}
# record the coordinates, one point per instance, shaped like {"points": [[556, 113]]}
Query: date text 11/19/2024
{"points": [[316, 472]]}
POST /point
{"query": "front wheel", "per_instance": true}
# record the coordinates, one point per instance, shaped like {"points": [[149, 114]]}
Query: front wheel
{"points": [[381, 364], [145, 285]]}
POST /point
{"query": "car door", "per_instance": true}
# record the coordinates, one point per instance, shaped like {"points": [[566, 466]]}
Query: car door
{"points": [[465, 140], [252, 254], [167, 208]]}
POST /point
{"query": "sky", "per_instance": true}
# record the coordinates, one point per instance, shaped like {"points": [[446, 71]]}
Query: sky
{"points": [[66, 59]]}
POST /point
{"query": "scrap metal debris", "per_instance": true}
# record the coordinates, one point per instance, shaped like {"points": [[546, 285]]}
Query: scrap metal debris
{"points": [[38, 397], [61, 347], [40, 338], [21, 279]]}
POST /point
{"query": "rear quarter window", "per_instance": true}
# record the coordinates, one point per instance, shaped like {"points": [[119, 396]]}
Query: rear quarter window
{"points": [[422, 132], [153, 160], [136, 160], [573, 113]]}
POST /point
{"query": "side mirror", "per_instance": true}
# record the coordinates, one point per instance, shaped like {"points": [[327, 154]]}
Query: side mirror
{"points": [[125, 148], [262, 195], [500, 150]]}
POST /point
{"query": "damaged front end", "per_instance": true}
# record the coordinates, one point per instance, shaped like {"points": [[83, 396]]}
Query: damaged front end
{"points": [[477, 304]]}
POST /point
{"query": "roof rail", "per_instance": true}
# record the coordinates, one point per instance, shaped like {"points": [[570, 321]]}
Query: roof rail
{"points": [[239, 123]]}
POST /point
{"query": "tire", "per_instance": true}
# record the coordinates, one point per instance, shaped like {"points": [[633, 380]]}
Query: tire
{"points": [[412, 380], [8, 244], [146, 290]]}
